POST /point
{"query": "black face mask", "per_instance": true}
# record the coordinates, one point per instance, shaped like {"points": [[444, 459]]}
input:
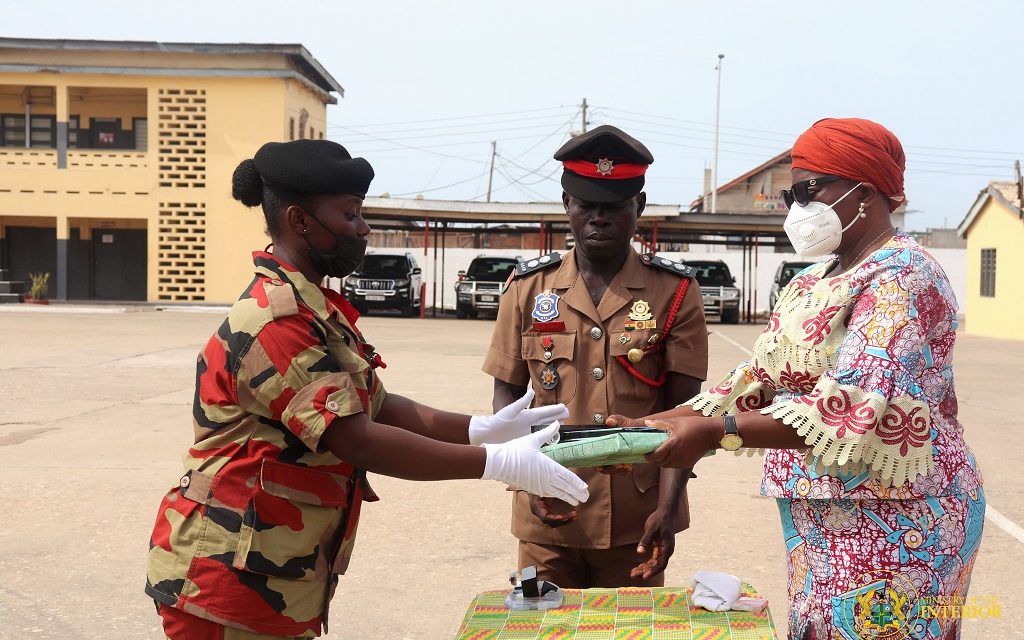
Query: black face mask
{"points": [[340, 261]]}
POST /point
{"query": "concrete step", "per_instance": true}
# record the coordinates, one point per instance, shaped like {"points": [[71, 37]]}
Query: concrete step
{"points": [[12, 286], [4, 274], [9, 297]]}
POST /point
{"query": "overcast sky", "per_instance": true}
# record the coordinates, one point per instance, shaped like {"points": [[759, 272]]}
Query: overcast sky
{"points": [[430, 84]]}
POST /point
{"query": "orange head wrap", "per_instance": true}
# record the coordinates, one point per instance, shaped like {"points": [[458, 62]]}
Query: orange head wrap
{"points": [[854, 149]]}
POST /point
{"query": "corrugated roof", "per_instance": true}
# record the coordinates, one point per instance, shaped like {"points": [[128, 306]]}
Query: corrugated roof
{"points": [[1004, 192], [764, 166], [1006, 188], [298, 54]]}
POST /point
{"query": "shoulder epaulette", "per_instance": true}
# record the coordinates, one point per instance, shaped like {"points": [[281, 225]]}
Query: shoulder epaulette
{"points": [[281, 298], [536, 264], [678, 268]]}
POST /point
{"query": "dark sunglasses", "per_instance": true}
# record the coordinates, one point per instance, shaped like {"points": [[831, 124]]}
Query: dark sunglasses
{"points": [[799, 191]]}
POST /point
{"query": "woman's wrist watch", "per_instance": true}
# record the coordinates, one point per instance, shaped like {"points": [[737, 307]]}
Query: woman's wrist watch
{"points": [[731, 441]]}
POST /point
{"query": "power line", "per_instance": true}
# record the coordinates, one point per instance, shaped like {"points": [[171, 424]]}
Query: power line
{"points": [[466, 143], [425, 150], [793, 136], [538, 143], [460, 125], [1008, 153], [704, 148], [453, 184], [482, 115], [519, 185], [535, 172], [457, 134], [676, 127], [709, 124]]}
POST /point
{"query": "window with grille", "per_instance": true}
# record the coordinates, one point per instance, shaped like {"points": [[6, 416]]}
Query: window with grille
{"points": [[988, 273], [181, 137], [181, 252]]}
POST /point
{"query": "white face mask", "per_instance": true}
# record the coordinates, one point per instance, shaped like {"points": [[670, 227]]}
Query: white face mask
{"points": [[815, 229]]}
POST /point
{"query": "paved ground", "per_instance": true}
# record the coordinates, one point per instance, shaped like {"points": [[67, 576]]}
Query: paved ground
{"points": [[94, 416]]}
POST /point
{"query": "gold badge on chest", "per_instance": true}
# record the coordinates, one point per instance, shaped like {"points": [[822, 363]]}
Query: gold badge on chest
{"points": [[640, 317], [641, 311]]}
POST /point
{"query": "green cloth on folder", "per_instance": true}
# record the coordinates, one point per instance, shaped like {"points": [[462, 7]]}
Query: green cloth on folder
{"points": [[626, 447], [600, 447]]}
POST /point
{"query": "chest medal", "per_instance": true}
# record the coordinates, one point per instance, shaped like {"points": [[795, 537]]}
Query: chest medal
{"points": [[640, 317], [549, 377]]}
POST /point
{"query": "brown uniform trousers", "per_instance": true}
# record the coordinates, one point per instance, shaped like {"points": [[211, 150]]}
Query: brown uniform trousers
{"points": [[601, 542]]}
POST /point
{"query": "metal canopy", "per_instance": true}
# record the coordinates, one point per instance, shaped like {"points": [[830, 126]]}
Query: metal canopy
{"points": [[659, 224]]}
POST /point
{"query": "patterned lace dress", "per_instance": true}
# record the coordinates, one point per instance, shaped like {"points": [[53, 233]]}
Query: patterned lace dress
{"points": [[883, 514]]}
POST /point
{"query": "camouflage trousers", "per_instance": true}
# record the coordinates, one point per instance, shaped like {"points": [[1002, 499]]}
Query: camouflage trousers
{"points": [[179, 625]]}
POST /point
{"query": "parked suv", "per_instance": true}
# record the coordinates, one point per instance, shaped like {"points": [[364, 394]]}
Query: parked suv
{"points": [[718, 288], [786, 272], [479, 286], [385, 281]]}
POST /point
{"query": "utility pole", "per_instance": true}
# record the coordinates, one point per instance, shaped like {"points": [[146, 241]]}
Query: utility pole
{"points": [[1020, 183], [583, 108], [714, 163], [490, 177]]}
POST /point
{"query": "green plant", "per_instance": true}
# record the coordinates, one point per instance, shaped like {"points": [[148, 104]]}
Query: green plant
{"points": [[39, 287]]}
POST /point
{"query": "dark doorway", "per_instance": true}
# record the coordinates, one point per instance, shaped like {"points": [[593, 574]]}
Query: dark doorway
{"points": [[119, 264], [32, 250], [104, 133]]}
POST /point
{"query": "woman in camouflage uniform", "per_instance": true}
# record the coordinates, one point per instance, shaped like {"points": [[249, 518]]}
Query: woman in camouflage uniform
{"points": [[289, 415]]}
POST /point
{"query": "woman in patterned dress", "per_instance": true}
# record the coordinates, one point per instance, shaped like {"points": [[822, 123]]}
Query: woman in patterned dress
{"points": [[850, 392]]}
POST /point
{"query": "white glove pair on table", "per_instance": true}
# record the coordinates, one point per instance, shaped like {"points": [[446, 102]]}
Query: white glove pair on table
{"points": [[717, 591], [513, 452]]}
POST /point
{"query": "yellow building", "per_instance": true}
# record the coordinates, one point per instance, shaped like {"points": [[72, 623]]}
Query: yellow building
{"points": [[994, 228], [117, 157]]}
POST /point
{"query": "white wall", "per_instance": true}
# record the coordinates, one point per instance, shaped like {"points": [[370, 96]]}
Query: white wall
{"points": [[953, 261]]}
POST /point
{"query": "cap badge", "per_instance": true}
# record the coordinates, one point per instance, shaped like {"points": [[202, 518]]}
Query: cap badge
{"points": [[545, 306], [604, 166], [641, 311]]}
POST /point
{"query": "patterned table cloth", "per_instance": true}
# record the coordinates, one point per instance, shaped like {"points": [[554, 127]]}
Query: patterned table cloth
{"points": [[627, 613]]}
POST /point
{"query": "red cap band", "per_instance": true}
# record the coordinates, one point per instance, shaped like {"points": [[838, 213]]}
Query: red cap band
{"points": [[605, 169]]}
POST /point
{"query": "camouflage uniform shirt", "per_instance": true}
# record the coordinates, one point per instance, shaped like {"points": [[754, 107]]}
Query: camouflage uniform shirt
{"points": [[256, 531]]}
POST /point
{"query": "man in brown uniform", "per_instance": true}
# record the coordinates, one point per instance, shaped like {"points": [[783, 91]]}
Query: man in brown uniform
{"points": [[606, 331]]}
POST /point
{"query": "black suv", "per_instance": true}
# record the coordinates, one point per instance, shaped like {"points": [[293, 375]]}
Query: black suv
{"points": [[479, 287], [385, 281], [718, 289]]}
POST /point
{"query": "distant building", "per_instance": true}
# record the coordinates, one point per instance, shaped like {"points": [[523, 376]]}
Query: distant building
{"points": [[117, 159], [940, 239], [757, 191], [994, 229]]}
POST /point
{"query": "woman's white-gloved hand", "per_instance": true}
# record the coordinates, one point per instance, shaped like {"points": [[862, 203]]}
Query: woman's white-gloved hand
{"points": [[513, 421], [520, 463]]}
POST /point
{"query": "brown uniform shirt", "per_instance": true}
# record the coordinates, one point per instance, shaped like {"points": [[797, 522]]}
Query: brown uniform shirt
{"points": [[593, 384]]}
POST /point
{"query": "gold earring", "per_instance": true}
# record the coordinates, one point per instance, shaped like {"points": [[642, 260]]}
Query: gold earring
{"points": [[861, 211]]}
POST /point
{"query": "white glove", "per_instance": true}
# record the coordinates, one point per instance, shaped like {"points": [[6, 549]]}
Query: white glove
{"points": [[716, 591], [513, 421], [520, 463]]}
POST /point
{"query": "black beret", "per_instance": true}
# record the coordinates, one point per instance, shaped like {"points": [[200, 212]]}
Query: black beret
{"points": [[314, 167], [604, 165]]}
